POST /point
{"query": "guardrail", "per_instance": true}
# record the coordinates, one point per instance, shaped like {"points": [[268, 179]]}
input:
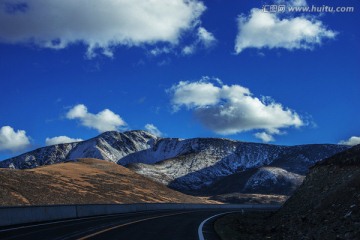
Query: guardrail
{"points": [[31, 214]]}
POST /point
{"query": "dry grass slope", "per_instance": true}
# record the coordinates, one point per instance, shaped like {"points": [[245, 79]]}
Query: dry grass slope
{"points": [[85, 181]]}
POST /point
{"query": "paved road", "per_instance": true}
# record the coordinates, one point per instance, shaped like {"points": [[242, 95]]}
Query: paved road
{"points": [[159, 225]]}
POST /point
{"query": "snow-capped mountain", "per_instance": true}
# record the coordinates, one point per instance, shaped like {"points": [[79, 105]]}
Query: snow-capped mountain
{"points": [[201, 168], [183, 164], [110, 146]]}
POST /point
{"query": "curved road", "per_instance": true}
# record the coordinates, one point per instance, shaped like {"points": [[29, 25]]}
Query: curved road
{"points": [[157, 225]]}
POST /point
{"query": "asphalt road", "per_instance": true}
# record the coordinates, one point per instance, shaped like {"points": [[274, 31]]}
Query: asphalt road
{"points": [[159, 225]]}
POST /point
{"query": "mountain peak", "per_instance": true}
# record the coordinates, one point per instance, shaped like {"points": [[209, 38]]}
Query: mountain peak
{"points": [[128, 133]]}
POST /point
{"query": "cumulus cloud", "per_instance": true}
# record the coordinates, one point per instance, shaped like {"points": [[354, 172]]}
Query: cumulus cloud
{"points": [[265, 137], [151, 128], [103, 121], [11, 140], [99, 24], [60, 140], [194, 94], [232, 109], [351, 141], [206, 38], [263, 29]]}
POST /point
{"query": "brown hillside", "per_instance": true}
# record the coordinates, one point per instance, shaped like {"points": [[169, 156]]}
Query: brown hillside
{"points": [[86, 181]]}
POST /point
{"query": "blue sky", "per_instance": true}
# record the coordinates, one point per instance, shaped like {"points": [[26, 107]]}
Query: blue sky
{"points": [[71, 70]]}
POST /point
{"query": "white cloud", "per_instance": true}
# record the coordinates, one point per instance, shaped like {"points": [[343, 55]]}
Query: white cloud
{"points": [[99, 24], [158, 51], [232, 109], [11, 140], [268, 30], [103, 121], [205, 37], [188, 50], [265, 137], [60, 140], [194, 94], [151, 128], [351, 141]]}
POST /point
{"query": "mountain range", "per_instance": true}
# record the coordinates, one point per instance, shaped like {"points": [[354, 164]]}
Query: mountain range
{"points": [[199, 166]]}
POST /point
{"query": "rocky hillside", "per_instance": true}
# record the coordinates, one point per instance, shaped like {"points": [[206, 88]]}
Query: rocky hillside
{"points": [[328, 201], [325, 206], [85, 181]]}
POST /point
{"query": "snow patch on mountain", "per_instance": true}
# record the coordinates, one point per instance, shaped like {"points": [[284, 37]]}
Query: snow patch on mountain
{"points": [[167, 148], [205, 165], [273, 179]]}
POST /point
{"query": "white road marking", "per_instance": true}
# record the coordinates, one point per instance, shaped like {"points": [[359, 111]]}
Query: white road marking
{"points": [[200, 231]]}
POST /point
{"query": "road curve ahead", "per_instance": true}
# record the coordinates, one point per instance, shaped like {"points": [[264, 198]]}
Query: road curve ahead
{"points": [[156, 225]]}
